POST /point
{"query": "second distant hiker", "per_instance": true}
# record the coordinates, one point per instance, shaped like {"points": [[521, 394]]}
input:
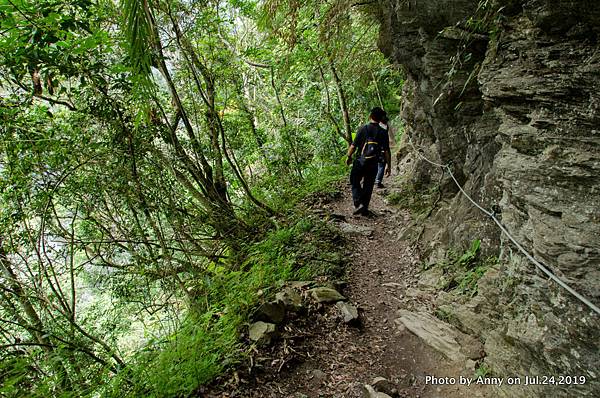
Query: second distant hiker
{"points": [[384, 124], [370, 141]]}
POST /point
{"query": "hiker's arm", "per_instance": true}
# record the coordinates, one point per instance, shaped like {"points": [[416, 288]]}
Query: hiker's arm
{"points": [[388, 161], [351, 150], [358, 141]]}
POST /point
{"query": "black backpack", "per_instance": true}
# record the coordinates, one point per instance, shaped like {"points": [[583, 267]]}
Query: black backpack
{"points": [[371, 150]]}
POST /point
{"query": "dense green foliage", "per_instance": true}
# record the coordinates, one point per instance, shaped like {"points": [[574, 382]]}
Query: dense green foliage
{"points": [[152, 154]]}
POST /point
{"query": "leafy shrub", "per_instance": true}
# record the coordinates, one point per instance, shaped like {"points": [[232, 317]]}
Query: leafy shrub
{"points": [[465, 270], [208, 341]]}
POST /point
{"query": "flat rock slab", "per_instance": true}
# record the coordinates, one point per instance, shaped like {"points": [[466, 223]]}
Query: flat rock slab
{"points": [[326, 295], [441, 336], [353, 229]]}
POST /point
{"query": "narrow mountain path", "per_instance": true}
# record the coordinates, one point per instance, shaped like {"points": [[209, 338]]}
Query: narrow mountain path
{"points": [[326, 358]]}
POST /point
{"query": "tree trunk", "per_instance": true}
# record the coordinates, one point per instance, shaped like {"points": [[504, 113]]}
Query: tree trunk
{"points": [[342, 100], [286, 133], [36, 328], [338, 130]]}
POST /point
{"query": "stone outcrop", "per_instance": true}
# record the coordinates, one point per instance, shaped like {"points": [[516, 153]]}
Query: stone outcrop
{"points": [[507, 93]]}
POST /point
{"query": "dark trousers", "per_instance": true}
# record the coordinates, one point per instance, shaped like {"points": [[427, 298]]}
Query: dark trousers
{"points": [[365, 174], [380, 171]]}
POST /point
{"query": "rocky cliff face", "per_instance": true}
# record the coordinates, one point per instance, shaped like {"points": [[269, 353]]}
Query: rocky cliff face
{"points": [[508, 94]]}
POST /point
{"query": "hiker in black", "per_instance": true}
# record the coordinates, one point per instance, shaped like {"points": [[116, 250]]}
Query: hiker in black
{"points": [[370, 141], [381, 161]]}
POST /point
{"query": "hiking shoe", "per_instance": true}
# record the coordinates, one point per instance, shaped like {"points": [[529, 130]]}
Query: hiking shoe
{"points": [[359, 209], [367, 213], [380, 185]]}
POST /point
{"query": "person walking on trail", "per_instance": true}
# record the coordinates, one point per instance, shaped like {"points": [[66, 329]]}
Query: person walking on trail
{"points": [[381, 162], [370, 141]]}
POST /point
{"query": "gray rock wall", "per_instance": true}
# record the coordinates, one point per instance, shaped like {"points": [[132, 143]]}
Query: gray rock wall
{"points": [[511, 100]]}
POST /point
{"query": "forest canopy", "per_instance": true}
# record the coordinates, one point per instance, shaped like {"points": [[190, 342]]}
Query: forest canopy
{"points": [[152, 154]]}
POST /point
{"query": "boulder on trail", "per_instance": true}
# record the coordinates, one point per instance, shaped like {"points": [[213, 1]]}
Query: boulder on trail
{"points": [[262, 332], [325, 295]]}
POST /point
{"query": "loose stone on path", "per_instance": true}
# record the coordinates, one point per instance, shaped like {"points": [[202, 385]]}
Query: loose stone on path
{"points": [[348, 311], [326, 295], [369, 392], [381, 384], [262, 332]]}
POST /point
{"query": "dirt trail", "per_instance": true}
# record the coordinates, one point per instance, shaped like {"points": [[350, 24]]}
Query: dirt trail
{"points": [[323, 357]]}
